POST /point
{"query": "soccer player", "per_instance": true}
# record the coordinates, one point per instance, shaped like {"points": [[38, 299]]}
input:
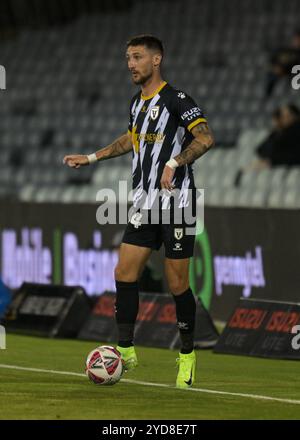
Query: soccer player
{"points": [[167, 132]]}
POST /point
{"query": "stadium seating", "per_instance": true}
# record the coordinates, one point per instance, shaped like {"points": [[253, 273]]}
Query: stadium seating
{"points": [[68, 91]]}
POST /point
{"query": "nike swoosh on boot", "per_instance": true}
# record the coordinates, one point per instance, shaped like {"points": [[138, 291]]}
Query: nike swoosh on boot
{"points": [[189, 382]]}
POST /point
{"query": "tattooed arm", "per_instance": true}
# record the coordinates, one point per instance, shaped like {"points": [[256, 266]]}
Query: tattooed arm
{"points": [[120, 146], [202, 142]]}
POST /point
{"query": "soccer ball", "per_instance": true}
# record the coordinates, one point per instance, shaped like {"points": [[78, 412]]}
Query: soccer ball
{"points": [[104, 366]]}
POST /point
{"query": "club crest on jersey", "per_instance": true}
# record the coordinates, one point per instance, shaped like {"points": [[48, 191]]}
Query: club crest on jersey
{"points": [[178, 233], [154, 112]]}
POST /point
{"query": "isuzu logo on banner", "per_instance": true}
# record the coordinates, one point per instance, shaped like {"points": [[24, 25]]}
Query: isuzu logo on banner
{"points": [[262, 328]]}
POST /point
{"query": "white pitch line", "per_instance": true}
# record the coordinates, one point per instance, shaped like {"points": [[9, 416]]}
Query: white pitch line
{"points": [[161, 385]]}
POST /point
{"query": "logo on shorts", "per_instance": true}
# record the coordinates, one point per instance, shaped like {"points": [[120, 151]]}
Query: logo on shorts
{"points": [[178, 233], [154, 112], [136, 219], [177, 247]]}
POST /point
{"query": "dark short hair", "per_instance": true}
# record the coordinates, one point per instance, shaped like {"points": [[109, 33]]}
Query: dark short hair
{"points": [[147, 40]]}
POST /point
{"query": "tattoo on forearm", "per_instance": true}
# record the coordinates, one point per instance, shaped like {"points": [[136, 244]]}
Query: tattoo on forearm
{"points": [[203, 141], [119, 147]]}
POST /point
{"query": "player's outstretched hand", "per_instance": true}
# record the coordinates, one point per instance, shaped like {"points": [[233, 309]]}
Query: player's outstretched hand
{"points": [[76, 160]]}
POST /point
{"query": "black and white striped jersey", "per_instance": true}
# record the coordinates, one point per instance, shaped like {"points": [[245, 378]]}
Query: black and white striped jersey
{"points": [[160, 126]]}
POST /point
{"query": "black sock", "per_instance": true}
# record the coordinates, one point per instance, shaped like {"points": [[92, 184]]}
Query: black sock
{"points": [[186, 313], [126, 310]]}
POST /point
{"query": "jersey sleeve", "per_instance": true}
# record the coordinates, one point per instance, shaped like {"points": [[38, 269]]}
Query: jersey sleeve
{"points": [[131, 114], [189, 113], [130, 121]]}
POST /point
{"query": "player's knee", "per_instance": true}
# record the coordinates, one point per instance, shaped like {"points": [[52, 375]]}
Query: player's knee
{"points": [[119, 273], [123, 274], [178, 284]]}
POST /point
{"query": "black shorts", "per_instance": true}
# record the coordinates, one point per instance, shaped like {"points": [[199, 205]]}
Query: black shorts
{"points": [[178, 238]]}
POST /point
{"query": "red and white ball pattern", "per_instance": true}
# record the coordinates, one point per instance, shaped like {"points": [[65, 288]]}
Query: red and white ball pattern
{"points": [[104, 365]]}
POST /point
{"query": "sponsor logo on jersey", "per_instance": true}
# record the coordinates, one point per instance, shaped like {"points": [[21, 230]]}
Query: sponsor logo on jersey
{"points": [[150, 137], [191, 114], [181, 95], [154, 111]]}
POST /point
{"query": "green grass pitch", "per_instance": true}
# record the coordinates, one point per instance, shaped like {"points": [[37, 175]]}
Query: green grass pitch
{"points": [[46, 395]]}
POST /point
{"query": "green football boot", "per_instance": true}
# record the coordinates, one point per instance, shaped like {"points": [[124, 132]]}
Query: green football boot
{"points": [[187, 370], [129, 357]]}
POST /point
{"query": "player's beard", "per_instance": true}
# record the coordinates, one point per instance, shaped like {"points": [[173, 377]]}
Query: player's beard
{"points": [[142, 79]]}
